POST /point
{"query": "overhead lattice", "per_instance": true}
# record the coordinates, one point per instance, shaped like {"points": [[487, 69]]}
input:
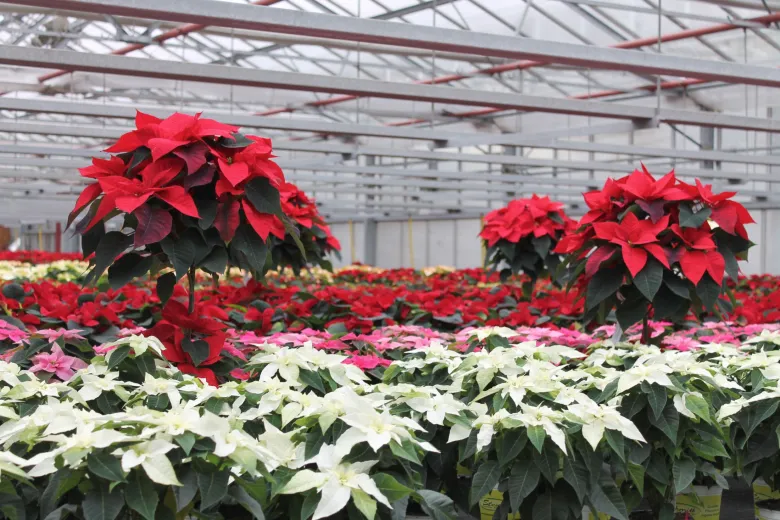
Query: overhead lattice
{"points": [[383, 108]]}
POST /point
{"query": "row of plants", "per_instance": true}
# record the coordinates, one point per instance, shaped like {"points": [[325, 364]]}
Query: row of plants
{"points": [[306, 435]]}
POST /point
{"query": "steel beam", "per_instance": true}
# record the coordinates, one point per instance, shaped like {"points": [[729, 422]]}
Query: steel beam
{"points": [[690, 117], [241, 16], [107, 132], [241, 76]]}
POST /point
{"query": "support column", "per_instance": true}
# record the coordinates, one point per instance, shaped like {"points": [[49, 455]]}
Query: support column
{"points": [[369, 241], [707, 143]]}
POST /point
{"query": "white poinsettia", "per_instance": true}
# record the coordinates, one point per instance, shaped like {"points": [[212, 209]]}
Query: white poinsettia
{"points": [[93, 385], [766, 336], [151, 456], [160, 385], [545, 417], [12, 464], [9, 373], [285, 361], [281, 447], [73, 448], [731, 408], [596, 418], [436, 407], [378, 430], [483, 333], [336, 481], [655, 373], [138, 344]]}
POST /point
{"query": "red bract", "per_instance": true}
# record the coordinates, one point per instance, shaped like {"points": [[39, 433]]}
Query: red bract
{"points": [[676, 243], [522, 234], [195, 195]]}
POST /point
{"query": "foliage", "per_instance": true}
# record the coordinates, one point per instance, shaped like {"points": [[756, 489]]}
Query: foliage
{"points": [[661, 245]]}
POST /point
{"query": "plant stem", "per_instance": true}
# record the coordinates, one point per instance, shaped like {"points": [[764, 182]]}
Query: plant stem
{"points": [[645, 331], [191, 281]]}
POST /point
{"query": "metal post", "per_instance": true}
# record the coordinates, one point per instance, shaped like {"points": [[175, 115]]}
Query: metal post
{"points": [[369, 241]]}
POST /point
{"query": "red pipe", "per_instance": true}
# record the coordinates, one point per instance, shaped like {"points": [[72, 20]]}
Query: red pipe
{"points": [[527, 64], [160, 38]]}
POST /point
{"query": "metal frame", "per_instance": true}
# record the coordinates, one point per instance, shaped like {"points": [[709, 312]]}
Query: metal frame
{"points": [[397, 142]]}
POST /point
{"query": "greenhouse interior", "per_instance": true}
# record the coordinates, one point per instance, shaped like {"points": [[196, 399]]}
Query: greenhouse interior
{"points": [[390, 259]]}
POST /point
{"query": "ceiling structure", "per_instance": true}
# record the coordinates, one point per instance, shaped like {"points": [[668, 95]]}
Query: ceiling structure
{"points": [[387, 109]]}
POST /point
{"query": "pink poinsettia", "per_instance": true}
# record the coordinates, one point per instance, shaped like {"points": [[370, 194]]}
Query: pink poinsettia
{"points": [[54, 334], [57, 363]]}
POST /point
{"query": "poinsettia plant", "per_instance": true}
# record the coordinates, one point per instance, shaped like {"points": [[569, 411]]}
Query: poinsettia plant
{"points": [[313, 235], [521, 237], [190, 194], [662, 246]]}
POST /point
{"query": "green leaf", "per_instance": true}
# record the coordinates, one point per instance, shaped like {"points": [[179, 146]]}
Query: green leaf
{"points": [[656, 396], [165, 284], [247, 502], [606, 499], [185, 493], [637, 474], [216, 261], [181, 253], [106, 466], [756, 414], [60, 483], [111, 245], [576, 473], [14, 291], [263, 196], [617, 442], [668, 423], [312, 379], [207, 209], [406, 450], [543, 507], [631, 312], [117, 356], [436, 505], [699, 406], [708, 291], [542, 245], [127, 268], [364, 503], [536, 435], [100, 504], [693, 220], [198, 350], [186, 440], [390, 487], [158, 402], [548, 463], [604, 284], [145, 364], [309, 504], [248, 250], [683, 471], [213, 487], [484, 480], [141, 496], [677, 285], [509, 446], [650, 278], [522, 481]]}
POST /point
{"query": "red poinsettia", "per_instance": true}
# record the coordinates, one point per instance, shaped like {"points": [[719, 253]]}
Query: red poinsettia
{"points": [[194, 194], [521, 236], [662, 244]]}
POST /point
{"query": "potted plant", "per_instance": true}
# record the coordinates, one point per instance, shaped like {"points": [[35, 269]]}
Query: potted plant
{"points": [[521, 237], [660, 247]]}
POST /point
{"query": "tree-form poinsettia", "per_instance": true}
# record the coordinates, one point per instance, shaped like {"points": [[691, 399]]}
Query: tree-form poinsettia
{"points": [[656, 245], [521, 237], [193, 193]]}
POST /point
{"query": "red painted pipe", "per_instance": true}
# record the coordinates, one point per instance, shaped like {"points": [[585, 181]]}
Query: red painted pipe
{"points": [[160, 38], [527, 64]]}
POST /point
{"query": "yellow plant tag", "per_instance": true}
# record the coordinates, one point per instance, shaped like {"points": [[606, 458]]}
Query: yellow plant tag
{"points": [[490, 503], [762, 491], [701, 504]]}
